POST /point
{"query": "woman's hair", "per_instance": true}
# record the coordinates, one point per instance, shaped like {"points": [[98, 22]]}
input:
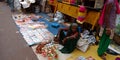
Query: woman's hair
{"points": [[70, 28], [74, 24], [69, 32]]}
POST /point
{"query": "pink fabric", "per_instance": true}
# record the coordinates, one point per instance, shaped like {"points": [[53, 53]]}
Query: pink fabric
{"points": [[117, 6], [81, 19], [100, 22], [51, 1], [102, 16], [72, 1]]}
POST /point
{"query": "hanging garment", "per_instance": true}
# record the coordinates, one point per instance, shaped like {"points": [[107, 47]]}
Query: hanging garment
{"points": [[104, 43]]}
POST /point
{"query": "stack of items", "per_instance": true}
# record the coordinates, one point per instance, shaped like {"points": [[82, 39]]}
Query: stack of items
{"points": [[114, 47], [50, 51], [36, 36], [85, 40], [33, 32]]}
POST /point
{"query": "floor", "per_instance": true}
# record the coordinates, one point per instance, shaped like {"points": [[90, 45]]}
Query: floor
{"points": [[92, 51], [12, 45]]}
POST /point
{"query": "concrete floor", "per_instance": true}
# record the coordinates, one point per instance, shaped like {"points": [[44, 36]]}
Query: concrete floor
{"points": [[12, 45]]}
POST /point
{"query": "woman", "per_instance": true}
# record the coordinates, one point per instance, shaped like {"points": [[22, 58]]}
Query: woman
{"points": [[107, 23], [68, 39]]}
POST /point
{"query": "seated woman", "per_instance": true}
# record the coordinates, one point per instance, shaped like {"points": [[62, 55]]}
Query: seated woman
{"points": [[68, 40]]}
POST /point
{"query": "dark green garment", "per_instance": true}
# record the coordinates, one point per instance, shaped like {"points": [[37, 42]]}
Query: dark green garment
{"points": [[70, 44], [104, 43]]}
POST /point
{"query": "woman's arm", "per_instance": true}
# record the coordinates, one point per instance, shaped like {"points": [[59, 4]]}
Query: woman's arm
{"points": [[64, 29], [75, 35], [70, 37]]}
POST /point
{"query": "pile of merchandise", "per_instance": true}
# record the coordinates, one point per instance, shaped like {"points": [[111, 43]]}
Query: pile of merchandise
{"points": [[32, 30], [50, 51], [114, 47], [85, 40]]}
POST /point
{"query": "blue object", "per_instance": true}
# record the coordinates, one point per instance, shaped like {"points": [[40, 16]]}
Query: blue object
{"points": [[53, 30], [79, 29], [55, 25]]}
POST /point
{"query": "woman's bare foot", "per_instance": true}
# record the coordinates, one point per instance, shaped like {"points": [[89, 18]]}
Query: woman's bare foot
{"points": [[103, 57]]}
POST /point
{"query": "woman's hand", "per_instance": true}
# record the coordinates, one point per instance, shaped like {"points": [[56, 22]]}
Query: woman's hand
{"points": [[65, 39], [108, 31]]}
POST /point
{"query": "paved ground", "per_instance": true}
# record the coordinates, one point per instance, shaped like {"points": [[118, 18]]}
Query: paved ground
{"points": [[12, 45]]}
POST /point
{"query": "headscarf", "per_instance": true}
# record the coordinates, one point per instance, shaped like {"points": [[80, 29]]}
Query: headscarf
{"points": [[70, 28]]}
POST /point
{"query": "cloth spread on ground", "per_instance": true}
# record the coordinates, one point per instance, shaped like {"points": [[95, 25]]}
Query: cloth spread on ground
{"points": [[45, 19], [33, 32], [37, 31], [41, 30]]}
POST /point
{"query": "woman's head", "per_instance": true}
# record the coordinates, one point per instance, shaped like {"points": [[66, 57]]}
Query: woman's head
{"points": [[74, 27]]}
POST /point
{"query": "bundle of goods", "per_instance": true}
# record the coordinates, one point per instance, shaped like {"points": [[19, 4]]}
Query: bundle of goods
{"points": [[89, 36], [85, 40], [114, 47], [58, 17], [49, 50]]}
